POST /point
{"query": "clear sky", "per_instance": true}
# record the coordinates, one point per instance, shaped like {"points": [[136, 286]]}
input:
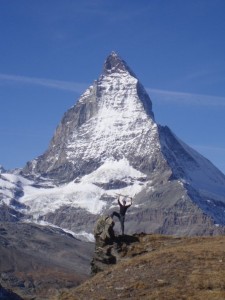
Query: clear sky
{"points": [[52, 50]]}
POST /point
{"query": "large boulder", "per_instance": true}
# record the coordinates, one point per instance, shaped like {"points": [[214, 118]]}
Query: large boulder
{"points": [[103, 231], [109, 248], [104, 238]]}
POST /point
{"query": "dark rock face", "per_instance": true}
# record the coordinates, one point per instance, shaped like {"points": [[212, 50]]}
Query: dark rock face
{"points": [[8, 214], [74, 219]]}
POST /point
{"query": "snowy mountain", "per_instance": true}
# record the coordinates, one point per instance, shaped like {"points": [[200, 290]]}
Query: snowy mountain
{"points": [[109, 143], [111, 120]]}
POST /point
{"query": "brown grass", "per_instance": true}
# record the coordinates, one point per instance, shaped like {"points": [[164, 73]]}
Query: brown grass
{"points": [[172, 268]]}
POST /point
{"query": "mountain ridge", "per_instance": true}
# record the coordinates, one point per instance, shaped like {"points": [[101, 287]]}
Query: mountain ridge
{"points": [[38, 261]]}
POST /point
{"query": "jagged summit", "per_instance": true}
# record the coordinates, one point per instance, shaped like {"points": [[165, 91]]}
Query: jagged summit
{"points": [[115, 64]]}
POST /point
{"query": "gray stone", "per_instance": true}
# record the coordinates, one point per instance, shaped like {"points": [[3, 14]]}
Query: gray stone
{"points": [[109, 248], [103, 231]]}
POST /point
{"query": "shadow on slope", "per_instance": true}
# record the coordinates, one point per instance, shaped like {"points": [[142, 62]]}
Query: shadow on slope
{"points": [[38, 261]]}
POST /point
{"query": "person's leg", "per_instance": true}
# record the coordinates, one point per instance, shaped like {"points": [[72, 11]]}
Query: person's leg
{"points": [[122, 220], [115, 213]]}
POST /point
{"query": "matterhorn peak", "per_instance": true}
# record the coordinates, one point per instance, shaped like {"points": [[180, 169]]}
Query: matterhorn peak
{"points": [[108, 144], [115, 64]]}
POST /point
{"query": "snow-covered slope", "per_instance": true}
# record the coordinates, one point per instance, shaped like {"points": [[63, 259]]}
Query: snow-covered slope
{"points": [[111, 120], [109, 143], [37, 201]]}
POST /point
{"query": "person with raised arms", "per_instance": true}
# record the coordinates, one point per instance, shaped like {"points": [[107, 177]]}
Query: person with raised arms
{"points": [[123, 209]]}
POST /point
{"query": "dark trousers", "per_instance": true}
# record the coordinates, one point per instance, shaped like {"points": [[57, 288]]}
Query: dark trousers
{"points": [[121, 219]]}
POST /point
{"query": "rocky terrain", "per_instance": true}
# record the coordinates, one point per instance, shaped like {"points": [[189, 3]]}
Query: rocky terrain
{"points": [[147, 266], [37, 261]]}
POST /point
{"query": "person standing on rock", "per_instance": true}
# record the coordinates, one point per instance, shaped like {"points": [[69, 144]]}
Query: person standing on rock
{"points": [[123, 210]]}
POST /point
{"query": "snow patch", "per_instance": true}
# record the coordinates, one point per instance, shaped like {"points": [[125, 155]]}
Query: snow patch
{"points": [[42, 201], [113, 170], [82, 235], [86, 194]]}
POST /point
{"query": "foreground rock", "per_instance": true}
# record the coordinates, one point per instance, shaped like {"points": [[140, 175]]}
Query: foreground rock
{"points": [[109, 249], [36, 262]]}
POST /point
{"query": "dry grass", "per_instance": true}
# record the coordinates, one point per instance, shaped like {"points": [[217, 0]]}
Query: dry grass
{"points": [[171, 268]]}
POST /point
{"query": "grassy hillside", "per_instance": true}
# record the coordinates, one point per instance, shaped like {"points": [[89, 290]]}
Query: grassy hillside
{"points": [[161, 267]]}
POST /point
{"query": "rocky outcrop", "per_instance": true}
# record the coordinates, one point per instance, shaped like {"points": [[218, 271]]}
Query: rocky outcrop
{"points": [[109, 248], [104, 238], [103, 231]]}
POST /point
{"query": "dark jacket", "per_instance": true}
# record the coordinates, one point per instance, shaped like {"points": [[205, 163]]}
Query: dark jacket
{"points": [[123, 208]]}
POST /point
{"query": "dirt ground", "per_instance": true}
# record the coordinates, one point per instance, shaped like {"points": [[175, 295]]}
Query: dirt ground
{"points": [[161, 267]]}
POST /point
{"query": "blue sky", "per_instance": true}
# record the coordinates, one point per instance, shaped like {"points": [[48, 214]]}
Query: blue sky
{"points": [[52, 50]]}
